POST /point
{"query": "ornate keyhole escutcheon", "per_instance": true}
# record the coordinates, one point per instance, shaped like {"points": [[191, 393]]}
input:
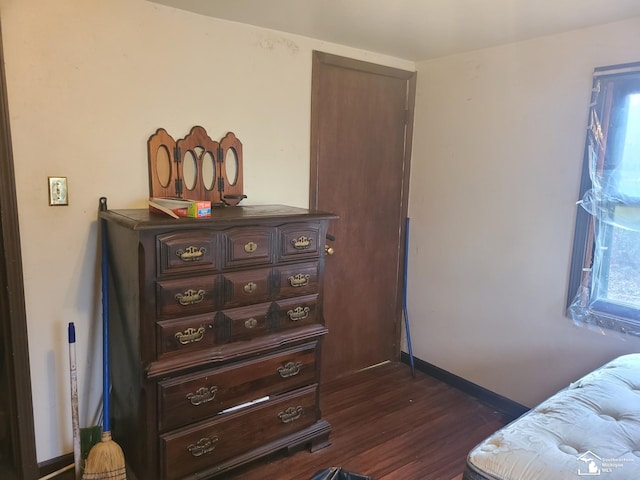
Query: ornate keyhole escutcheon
{"points": [[191, 253], [302, 242], [190, 335], [298, 313], [203, 446], [290, 369], [299, 280], [202, 395], [291, 414], [190, 297]]}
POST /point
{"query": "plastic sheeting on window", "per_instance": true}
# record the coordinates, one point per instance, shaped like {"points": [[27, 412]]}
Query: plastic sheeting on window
{"points": [[608, 297]]}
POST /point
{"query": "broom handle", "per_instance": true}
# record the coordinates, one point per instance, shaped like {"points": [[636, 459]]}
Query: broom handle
{"points": [[104, 270]]}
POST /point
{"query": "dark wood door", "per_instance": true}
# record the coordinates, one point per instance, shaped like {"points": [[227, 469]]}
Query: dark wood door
{"points": [[361, 142]]}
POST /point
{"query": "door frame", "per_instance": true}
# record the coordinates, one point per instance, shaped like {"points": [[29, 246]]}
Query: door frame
{"points": [[411, 79], [12, 303]]}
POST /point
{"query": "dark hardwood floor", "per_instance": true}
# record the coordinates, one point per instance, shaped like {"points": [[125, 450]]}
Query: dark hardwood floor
{"points": [[388, 425], [391, 426]]}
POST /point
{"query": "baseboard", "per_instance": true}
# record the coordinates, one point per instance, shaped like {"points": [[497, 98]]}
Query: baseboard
{"points": [[509, 409], [53, 465]]}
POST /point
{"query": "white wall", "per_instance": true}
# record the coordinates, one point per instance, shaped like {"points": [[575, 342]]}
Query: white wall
{"points": [[498, 143], [88, 82]]}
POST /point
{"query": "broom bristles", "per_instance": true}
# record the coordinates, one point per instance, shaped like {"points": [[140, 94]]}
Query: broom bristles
{"points": [[105, 461]]}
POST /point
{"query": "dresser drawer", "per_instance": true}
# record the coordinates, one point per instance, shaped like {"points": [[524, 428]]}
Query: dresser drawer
{"points": [[300, 241], [186, 296], [296, 312], [202, 446], [192, 251], [184, 335], [246, 287], [197, 396], [249, 246], [298, 279], [244, 323]]}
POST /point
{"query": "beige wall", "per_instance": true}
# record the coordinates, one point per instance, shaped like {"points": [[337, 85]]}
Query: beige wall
{"points": [[498, 145], [88, 82], [497, 154]]}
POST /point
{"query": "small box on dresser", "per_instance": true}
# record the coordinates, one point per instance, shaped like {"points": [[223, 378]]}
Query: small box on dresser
{"points": [[216, 332]]}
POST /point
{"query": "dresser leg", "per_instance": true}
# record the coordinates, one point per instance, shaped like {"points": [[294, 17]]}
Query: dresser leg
{"points": [[319, 442]]}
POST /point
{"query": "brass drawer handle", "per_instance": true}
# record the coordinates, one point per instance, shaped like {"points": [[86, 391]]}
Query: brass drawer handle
{"points": [[250, 247], [291, 414], [250, 288], [190, 297], [290, 369], [250, 323], [190, 335], [299, 280], [202, 395], [298, 313], [203, 446], [302, 242], [191, 253]]}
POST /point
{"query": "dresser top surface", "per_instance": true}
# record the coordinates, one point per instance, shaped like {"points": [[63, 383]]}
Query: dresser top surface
{"points": [[140, 219]]}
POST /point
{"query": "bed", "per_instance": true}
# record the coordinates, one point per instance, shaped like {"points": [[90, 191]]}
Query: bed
{"points": [[589, 429]]}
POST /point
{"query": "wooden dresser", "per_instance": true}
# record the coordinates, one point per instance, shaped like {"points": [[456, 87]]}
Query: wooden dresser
{"points": [[216, 329]]}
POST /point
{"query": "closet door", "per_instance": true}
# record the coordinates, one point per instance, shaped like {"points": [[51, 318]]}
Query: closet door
{"points": [[361, 124]]}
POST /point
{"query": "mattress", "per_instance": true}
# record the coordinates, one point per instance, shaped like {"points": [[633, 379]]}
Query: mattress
{"points": [[589, 429]]}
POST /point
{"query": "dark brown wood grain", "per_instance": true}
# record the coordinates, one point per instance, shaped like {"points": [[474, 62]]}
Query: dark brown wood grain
{"points": [[391, 426], [360, 151], [219, 332]]}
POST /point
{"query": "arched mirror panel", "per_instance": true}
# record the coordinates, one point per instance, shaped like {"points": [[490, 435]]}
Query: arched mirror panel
{"points": [[208, 171], [163, 170], [189, 170]]}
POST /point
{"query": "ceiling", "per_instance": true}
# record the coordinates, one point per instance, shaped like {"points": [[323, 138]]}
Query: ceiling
{"points": [[416, 29]]}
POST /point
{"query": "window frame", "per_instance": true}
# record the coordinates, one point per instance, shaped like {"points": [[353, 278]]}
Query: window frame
{"points": [[615, 81]]}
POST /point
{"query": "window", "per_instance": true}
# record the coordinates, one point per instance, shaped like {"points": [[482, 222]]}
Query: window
{"points": [[604, 287]]}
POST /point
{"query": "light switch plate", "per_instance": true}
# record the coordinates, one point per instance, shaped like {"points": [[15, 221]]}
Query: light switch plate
{"points": [[58, 193]]}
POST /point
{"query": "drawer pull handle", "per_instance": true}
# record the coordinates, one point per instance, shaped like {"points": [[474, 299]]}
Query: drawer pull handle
{"points": [[250, 323], [290, 369], [202, 395], [291, 414], [203, 446], [190, 335], [301, 243], [190, 297], [299, 280], [250, 287], [298, 313], [250, 247], [191, 253]]}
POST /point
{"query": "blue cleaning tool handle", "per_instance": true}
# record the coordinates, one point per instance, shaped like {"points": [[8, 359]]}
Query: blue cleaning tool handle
{"points": [[72, 333], [104, 270]]}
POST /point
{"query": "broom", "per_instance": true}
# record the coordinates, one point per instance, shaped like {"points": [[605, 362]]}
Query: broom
{"points": [[106, 459]]}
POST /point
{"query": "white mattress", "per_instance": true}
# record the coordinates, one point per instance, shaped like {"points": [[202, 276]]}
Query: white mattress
{"points": [[591, 429]]}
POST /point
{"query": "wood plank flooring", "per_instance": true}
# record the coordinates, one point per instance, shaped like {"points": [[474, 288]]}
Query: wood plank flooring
{"points": [[388, 425]]}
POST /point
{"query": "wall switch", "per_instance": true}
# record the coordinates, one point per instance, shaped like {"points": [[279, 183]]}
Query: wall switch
{"points": [[58, 193]]}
